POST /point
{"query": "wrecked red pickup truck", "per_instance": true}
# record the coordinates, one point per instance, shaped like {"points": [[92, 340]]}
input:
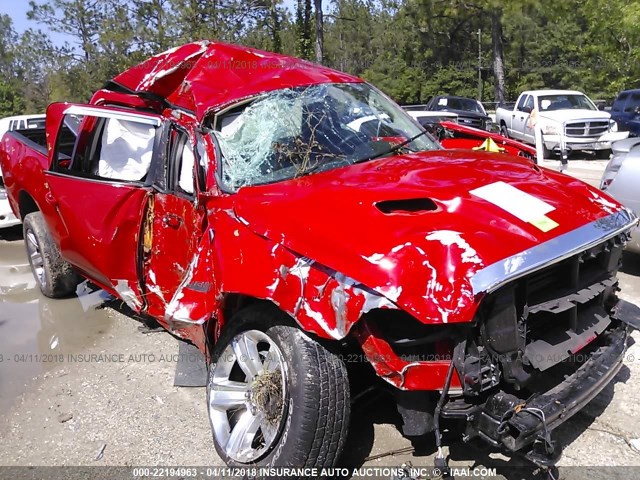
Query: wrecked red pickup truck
{"points": [[221, 191]]}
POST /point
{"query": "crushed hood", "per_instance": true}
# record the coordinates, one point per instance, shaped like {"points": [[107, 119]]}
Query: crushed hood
{"points": [[420, 254]]}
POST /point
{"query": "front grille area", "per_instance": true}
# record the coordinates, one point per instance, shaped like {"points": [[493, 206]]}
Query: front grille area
{"points": [[593, 128], [474, 122], [544, 318]]}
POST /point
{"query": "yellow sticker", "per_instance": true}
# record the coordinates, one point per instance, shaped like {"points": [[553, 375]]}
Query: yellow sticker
{"points": [[544, 223]]}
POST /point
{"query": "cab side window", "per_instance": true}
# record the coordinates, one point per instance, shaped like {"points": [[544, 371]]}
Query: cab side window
{"points": [[521, 103], [125, 152], [528, 105], [633, 104], [618, 105], [111, 149], [182, 161]]}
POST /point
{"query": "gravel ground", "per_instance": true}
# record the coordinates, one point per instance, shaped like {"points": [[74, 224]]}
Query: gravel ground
{"points": [[130, 405]]}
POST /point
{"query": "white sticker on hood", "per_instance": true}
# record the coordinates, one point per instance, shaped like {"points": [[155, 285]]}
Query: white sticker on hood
{"points": [[518, 203]]}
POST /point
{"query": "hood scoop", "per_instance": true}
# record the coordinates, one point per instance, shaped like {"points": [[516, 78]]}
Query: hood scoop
{"points": [[408, 206]]}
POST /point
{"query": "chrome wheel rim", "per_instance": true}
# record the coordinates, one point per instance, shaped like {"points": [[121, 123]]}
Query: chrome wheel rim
{"points": [[35, 258], [247, 396]]}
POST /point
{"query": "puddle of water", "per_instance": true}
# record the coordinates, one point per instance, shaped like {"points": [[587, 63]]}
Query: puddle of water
{"points": [[36, 332]]}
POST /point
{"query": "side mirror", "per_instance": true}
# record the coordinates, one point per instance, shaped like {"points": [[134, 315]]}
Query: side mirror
{"points": [[527, 109]]}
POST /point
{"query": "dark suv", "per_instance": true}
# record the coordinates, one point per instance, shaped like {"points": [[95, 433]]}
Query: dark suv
{"points": [[470, 112], [626, 111]]}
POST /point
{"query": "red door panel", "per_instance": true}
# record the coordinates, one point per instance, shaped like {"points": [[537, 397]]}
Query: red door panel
{"points": [[171, 239], [98, 224]]}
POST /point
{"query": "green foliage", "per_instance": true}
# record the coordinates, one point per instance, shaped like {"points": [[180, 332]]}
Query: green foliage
{"points": [[303, 29], [397, 79], [11, 97], [411, 49], [11, 101]]}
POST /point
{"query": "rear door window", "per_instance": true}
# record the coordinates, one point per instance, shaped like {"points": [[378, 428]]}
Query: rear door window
{"points": [[110, 148]]}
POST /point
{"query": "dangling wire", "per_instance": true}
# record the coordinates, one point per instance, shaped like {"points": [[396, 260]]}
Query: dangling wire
{"points": [[538, 413], [436, 415]]}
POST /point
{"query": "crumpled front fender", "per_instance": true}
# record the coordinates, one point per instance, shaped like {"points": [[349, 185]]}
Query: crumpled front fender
{"points": [[323, 301]]}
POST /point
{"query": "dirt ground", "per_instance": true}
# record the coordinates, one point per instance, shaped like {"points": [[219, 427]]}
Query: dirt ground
{"points": [[83, 384]]}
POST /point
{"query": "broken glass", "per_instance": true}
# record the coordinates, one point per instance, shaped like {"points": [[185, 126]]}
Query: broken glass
{"points": [[292, 132]]}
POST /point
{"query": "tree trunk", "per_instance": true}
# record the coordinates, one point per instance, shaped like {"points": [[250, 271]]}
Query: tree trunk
{"points": [[319, 31], [498, 54], [303, 29], [276, 43]]}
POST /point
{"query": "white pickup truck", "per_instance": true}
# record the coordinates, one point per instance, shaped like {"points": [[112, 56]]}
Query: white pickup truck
{"points": [[569, 121]]}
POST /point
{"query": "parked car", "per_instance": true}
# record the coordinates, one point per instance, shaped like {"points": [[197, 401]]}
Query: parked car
{"points": [[449, 133], [454, 135], [621, 178], [431, 121], [238, 208], [428, 118], [626, 111], [568, 119], [19, 122], [470, 112]]}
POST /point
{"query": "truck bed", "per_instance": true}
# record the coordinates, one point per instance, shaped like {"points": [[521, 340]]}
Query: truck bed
{"points": [[34, 138]]}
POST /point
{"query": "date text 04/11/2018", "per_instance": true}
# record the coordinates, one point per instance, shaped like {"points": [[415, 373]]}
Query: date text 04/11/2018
{"points": [[308, 472]]}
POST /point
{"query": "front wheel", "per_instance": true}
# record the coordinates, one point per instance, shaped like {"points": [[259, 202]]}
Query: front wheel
{"points": [[276, 397], [503, 130], [603, 154], [55, 277]]}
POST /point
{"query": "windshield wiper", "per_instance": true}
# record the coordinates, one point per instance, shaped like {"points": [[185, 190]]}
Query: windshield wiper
{"points": [[393, 149]]}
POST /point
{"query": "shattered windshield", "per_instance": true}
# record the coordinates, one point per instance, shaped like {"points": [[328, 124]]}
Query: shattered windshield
{"points": [[296, 131]]}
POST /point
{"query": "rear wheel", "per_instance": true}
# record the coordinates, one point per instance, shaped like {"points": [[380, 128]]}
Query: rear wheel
{"points": [[276, 397], [55, 277]]}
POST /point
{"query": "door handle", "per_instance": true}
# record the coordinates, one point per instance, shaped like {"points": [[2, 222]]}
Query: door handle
{"points": [[172, 220], [50, 199]]}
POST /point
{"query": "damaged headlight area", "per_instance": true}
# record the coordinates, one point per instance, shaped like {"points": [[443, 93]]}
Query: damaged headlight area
{"points": [[537, 350], [551, 128], [543, 346], [295, 131]]}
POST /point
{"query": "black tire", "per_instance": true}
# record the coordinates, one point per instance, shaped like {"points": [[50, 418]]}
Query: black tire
{"points": [[603, 154], [546, 153], [312, 428], [55, 277], [503, 130]]}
